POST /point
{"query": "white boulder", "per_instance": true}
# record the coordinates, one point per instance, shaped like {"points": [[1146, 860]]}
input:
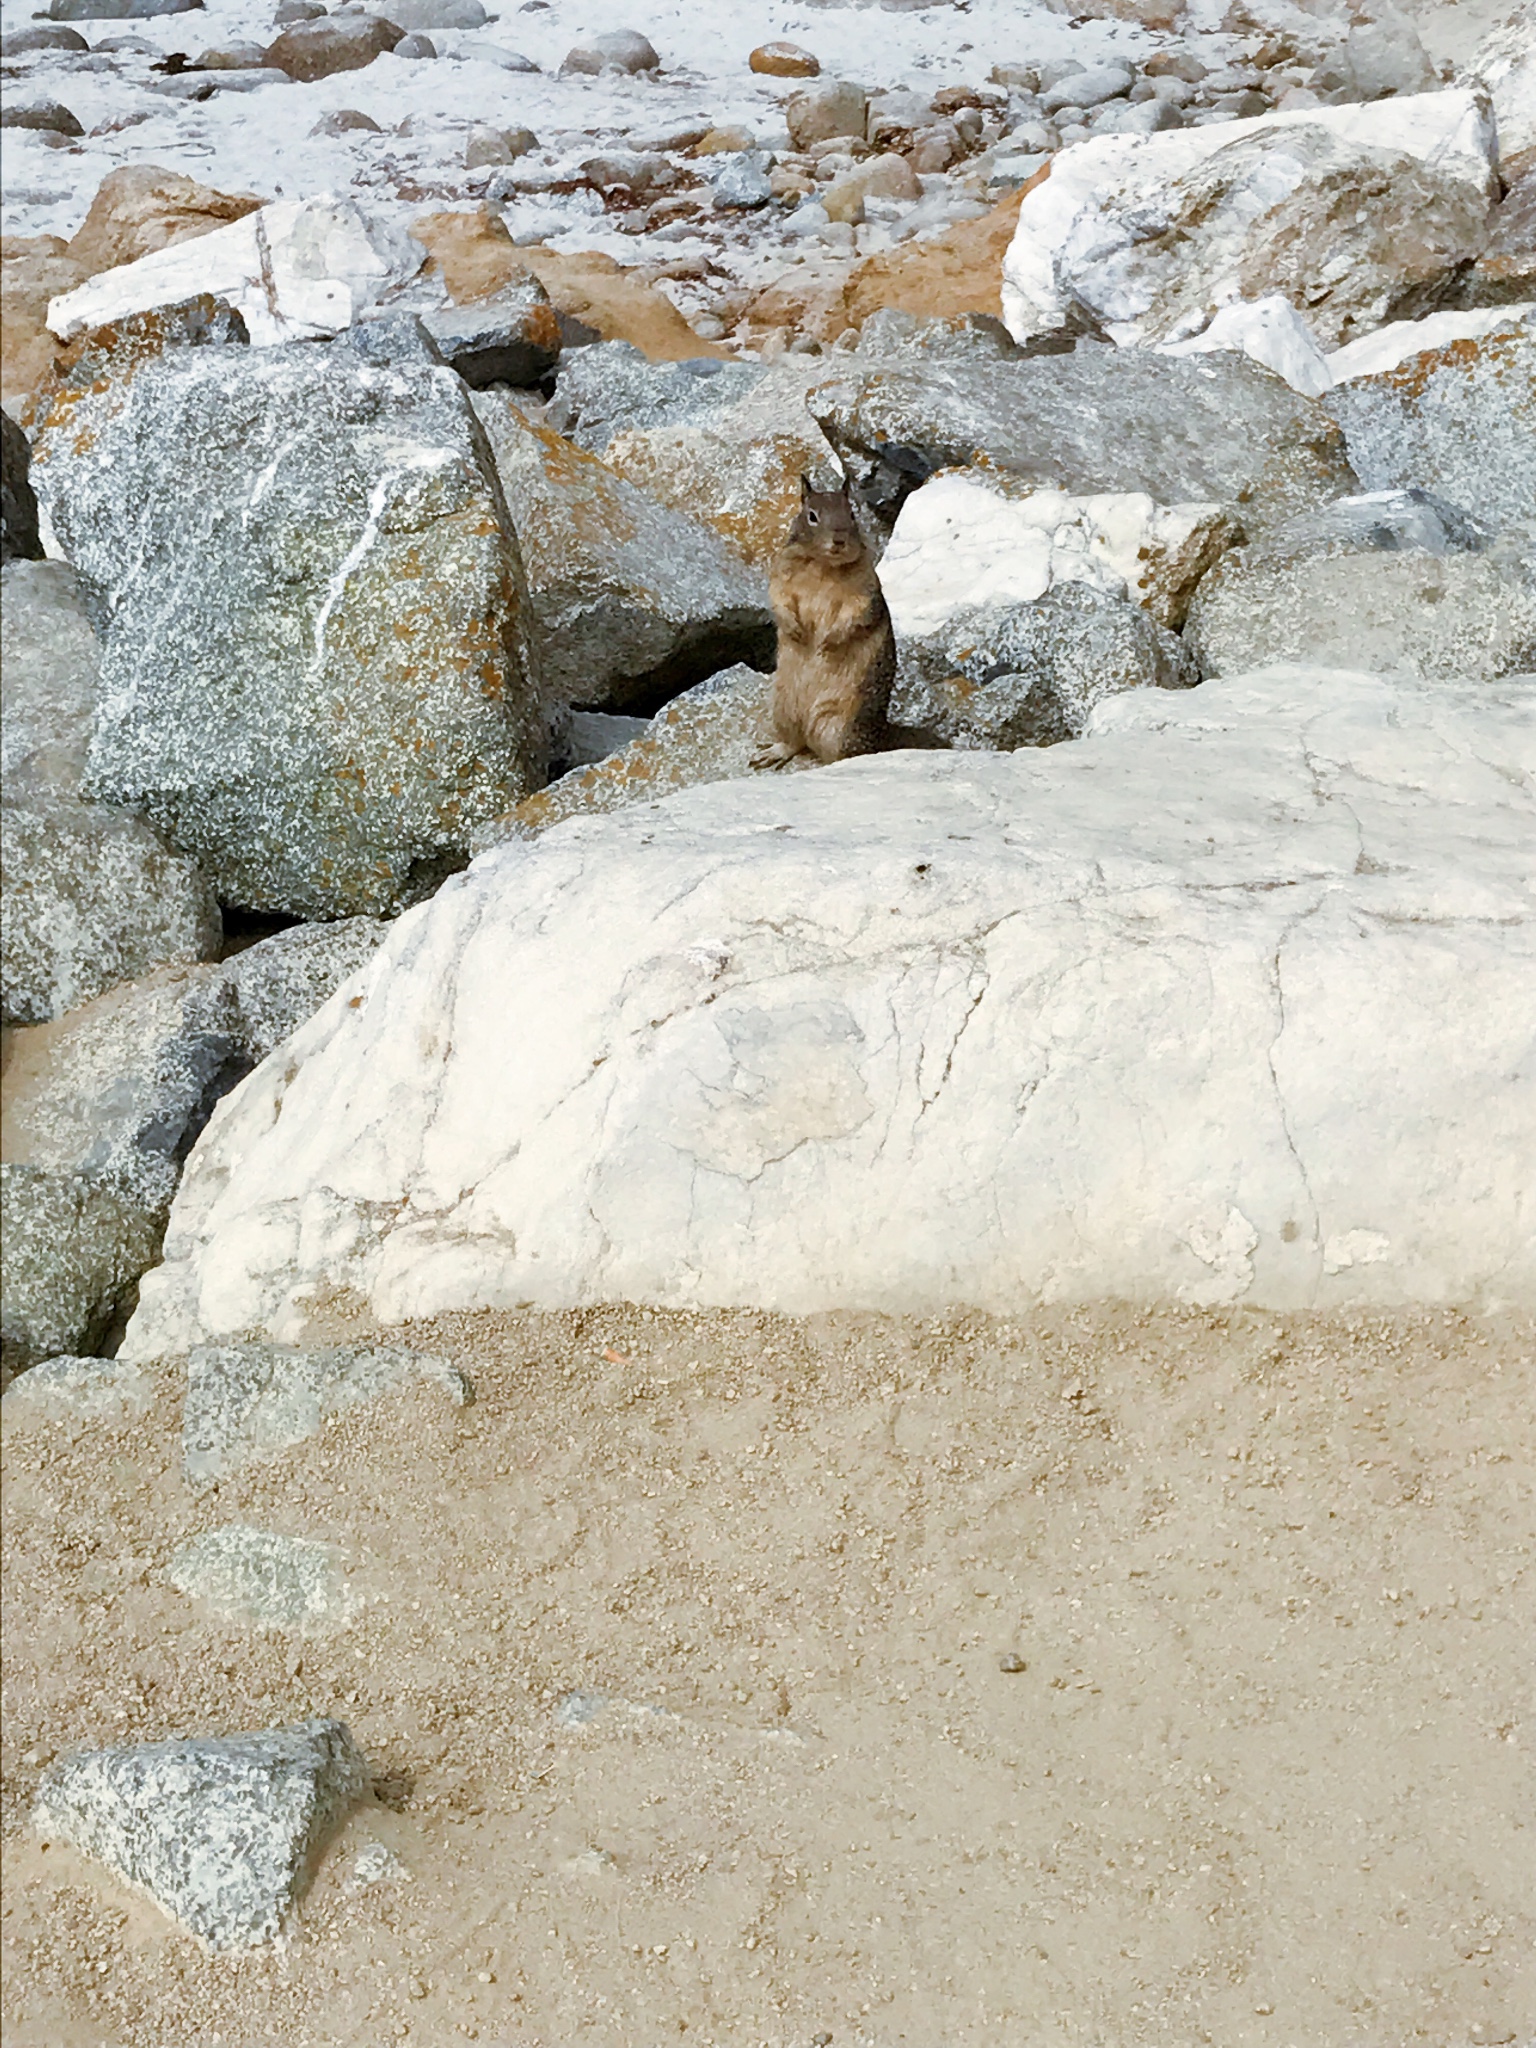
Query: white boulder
{"points": [[1374, 354], [1229, 1002], [295, 271], [1340, 208], [959, 542], [1273, 333]]}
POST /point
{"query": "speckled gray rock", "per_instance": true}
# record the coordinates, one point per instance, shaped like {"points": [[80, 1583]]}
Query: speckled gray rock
{"points": [[1384, 521], [222, 1832], [92, 897], [74, 1252], [741, 183], [311, 667], [119, 10], [49, 662], [997, 677], [1459, 420], [260, 1579], [511, 339], [1204, 428], [18, 505], [60, 1388], [246, 1402], [629, 600], [1438, 616], [279, 983], [610, 387]]}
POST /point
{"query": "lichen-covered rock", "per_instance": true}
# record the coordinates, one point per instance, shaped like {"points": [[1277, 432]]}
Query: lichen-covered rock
{"points": [[222, 1832], [1001, 676], [1459, 419], [49, 664], [628, 600], [92, 897], [961, 541], [260, 1579], [1358, 213], [247, 1402], [511, 339], [612, 388], [1209, 429], [311, 668], [74, 1251], [1437, 615], [18, 504], [707, 734]]}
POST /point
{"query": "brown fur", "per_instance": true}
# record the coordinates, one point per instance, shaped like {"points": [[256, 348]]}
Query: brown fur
{"points": [[837, 652]]}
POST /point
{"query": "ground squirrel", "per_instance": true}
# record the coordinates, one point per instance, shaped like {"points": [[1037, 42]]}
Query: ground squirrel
{"points": [[837, 651]]}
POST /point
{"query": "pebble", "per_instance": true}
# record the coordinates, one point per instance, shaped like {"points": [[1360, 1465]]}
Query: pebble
{"points": [[415, 46], [1011, 1662], [346, 121], [784, 60]]}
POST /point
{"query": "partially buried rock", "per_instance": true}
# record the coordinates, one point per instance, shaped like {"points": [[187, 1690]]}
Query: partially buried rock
{"points": [[346, 121], [46, 115], [512, 339], [318, 49], [74, 1251], [784, 60], [221, 1832], [18, 503], [1003, 676], [836, 108], [623, 50], [49, 664], [430, 15], [247, 1402], [119, 10], [68, 1385], [257, 1578], [334, 617], [629, 601], [21, 42]]}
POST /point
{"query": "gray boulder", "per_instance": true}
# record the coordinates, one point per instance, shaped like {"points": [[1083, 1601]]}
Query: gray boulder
{"points": [[1384, 521], [511, 339], [1433, 614], [741, 183], [18, 505], [247, 1402], [92, 897], [319, 49], [222, 1832], [1459, 420], [629, 600], [74, 1252], [1203, 428], [312, 675], [21, 42], [997, 677], [49, 665], [279, 983], [434, 14], [257, 1578], [835, 106], [624, 49], [611, 387], [68, 1386], [120, 10], [46, 115]]}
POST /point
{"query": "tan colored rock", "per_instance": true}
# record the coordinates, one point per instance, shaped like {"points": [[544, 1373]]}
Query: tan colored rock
{"points": [[727, 141], [477, 258], [784, 60], [142, 208], [834, 109], [887, 176], [745, 485], [319, 49], [33, 270]]}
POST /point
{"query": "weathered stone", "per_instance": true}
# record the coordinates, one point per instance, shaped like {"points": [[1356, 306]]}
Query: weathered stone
{"points": [[21, 42], [74, 1251], [49, 664], [511, 339], [486, 146], [231, 57], [119, 10], [1435, 615], [259, 1579], [280, 982], [141, 208], [742, 181], [835, 108], [18, 503], [346, 121], [415, 46], [1211, 429], [620, 171], [623, 50], [878, 177], [612, 388], [1505, 273], [67, 1386], [1459, 420], [318, 49], [1088, 88], [221, 1832], [92, 897], [1074, 1023], [961, 541], [432, 14], [311, 671], [784, 60], [708, 734], [247, 1402], [46, 115], [628, 600], [1360, 214], [1384, 520], [478, 50], [1002, 676]]}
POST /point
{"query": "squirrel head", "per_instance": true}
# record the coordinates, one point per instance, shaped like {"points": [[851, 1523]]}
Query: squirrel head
{"points": [[825, 526]]}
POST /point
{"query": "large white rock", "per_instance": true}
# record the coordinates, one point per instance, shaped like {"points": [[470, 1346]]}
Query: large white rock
{"points": [[1141, 231], [1374, 354], [1273, 333], [960, 542], [1232, 1001], [295, 271]]}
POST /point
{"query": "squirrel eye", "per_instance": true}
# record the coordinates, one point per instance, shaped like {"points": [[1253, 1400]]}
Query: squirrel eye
{"points": [[814, 518]]}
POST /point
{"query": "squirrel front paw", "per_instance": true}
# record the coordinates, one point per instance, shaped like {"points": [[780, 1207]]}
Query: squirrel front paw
{"points": [[777, 754]]}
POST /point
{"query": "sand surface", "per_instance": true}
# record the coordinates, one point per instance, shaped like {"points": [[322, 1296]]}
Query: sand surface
{"points": [[679, 1660]]}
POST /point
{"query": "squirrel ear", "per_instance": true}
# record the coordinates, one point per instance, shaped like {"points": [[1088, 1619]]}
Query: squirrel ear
{"points": [[805, 488]]}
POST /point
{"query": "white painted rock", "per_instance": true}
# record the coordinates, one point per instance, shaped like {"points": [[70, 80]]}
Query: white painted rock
{"points": [[959, 542], [294, 271], [1340, 208], [1229, 1002]]}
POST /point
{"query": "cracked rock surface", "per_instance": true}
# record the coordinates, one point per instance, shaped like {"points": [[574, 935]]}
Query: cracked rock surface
{"points": [[1162, 1014]]}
